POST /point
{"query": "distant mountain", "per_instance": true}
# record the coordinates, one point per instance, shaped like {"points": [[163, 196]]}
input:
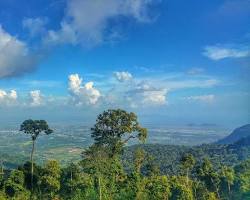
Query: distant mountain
{"points": [[241, 143], [238, 134]]}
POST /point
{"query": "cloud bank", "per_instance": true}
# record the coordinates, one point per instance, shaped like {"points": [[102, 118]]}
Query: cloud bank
{"points": [[127, 92], [15, 56], [8, 99]]}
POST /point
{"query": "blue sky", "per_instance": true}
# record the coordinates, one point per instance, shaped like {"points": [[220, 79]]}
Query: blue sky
{"points": [[170, 61]]}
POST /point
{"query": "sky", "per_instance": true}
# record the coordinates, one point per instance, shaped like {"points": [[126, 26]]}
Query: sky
{"points": [[169, 61]]}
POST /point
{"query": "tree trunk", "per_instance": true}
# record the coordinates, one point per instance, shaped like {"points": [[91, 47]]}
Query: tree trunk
{"points": [[2, 172], [229, 190], [71, 180], [216, 188], [100, 188], [32, 163]]}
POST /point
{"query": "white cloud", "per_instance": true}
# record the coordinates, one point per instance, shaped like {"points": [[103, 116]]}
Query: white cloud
{"points": [[82, 94], [202, 98], [87, 21], [36, 98], [219, 52], [145, 94], [66, 35], [153, 91], [36, 26], [7, 99], [123, 76], [15, 58]]}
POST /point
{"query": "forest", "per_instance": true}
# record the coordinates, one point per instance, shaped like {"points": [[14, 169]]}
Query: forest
{"points": [[110, 170]]}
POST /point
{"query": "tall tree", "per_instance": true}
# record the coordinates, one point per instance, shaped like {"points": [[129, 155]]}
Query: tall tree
{"points": [[1, 175], [228, 177], [187, 162], [209, 176], [242, 186], [50, 179], [114, 128], [107, 171], [34, 128], [14, 186], [1, 169], [180, 190]]}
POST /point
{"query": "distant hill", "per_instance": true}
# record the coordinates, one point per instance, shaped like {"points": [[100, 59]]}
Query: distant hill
{"points": [[242, 142], [237, 134], [167, 157], [229, 151]]}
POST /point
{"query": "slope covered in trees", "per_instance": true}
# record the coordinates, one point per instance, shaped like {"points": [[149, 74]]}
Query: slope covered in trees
{"points": [[103, 175], [237, 134], [167, 156]]}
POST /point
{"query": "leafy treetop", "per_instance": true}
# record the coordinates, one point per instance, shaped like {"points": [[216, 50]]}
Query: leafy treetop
{"points": [[35, 127], [114, 128]]}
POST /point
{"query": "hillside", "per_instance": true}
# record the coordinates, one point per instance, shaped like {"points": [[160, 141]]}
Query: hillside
{"points": [[244, 142], [167, 157], [236, 135]]}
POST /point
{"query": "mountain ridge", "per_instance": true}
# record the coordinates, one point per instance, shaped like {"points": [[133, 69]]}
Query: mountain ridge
{"points": [[237, 134]]}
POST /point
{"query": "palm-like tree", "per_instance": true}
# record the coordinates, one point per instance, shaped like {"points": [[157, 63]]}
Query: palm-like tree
{"points": [[34, 128]]}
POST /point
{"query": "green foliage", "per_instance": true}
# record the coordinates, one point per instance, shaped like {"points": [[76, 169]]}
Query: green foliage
{"points": [[227, 181], [101, 176], [187, 161], [209, 176], [35, 127], [157, 187], [167, 157], [112, 126], [14, 185], [242, 186], [198, 173], [180, 189], [187, 164], [3, 196], [50, 178]]}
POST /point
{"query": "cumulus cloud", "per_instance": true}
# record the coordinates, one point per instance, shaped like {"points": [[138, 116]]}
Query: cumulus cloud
{"points": [[145, 94], [219, 52], [36, 98], [36, 26], [202, 98], [123, 76], [15, 58], [8, 98], [87, 21], [82, 94], [150, 91]]}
